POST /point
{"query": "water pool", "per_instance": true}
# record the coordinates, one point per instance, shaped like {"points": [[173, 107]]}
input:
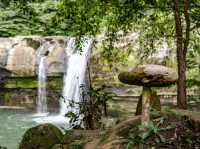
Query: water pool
{"points": [[13, 125]]}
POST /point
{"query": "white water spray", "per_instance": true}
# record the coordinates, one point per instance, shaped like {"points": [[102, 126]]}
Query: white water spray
{"points": [[42, 76], [74, 75]]}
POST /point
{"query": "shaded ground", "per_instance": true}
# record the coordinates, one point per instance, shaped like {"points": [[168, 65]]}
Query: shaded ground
{"points": [[171, 131]]}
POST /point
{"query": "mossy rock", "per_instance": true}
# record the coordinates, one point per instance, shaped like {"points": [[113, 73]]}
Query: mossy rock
{"points": [[154, 103], [149, 75], [34, 43], [42, 136]]}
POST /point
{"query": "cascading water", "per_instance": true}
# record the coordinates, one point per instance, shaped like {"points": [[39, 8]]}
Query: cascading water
{"points": [[74, 76], [42, 76]]}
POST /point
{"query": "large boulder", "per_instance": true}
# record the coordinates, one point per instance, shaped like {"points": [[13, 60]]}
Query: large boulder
{"points": [[42, 136], [149, 75]]}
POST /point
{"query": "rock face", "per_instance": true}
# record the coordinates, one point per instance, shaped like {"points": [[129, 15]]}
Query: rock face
{"points": [[3, 74], [6, 43], [21, 60], [41, 137], [149, 75], [3, 57], [20, 54], [56, 56]]}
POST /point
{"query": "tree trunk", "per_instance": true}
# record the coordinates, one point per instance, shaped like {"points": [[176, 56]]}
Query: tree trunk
{"points": [[182, 45], [181, 87]]}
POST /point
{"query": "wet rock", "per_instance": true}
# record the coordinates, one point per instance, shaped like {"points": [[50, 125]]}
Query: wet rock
{"points": [[149, 75], [42, 136], [4, 74], [56, 56], [32, 42], [3, 57]]}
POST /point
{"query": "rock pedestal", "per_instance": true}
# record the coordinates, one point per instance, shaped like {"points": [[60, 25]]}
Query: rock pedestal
{"points": [[154, 103], [149, 75]]}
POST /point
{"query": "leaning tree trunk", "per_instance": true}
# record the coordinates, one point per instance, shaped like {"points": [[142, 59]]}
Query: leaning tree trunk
{"points": [[182, 45]]}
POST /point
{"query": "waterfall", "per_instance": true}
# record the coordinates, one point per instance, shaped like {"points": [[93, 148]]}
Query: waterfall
{"points": [[74, 75], [42, 76]]}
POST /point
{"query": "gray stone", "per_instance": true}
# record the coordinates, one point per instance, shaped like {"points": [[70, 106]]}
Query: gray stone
{"points": [[149, 75]]}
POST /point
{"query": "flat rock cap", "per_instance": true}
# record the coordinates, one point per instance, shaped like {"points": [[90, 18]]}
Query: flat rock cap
{"points": [[149, 75]]}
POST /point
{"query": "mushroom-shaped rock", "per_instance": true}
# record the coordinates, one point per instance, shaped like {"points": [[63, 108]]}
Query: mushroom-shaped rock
{"points": [[149, 75]]}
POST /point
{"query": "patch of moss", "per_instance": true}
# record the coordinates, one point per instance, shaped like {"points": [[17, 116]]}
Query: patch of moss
{"points": [[33, 43], [21, 83], [32, 82]]}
